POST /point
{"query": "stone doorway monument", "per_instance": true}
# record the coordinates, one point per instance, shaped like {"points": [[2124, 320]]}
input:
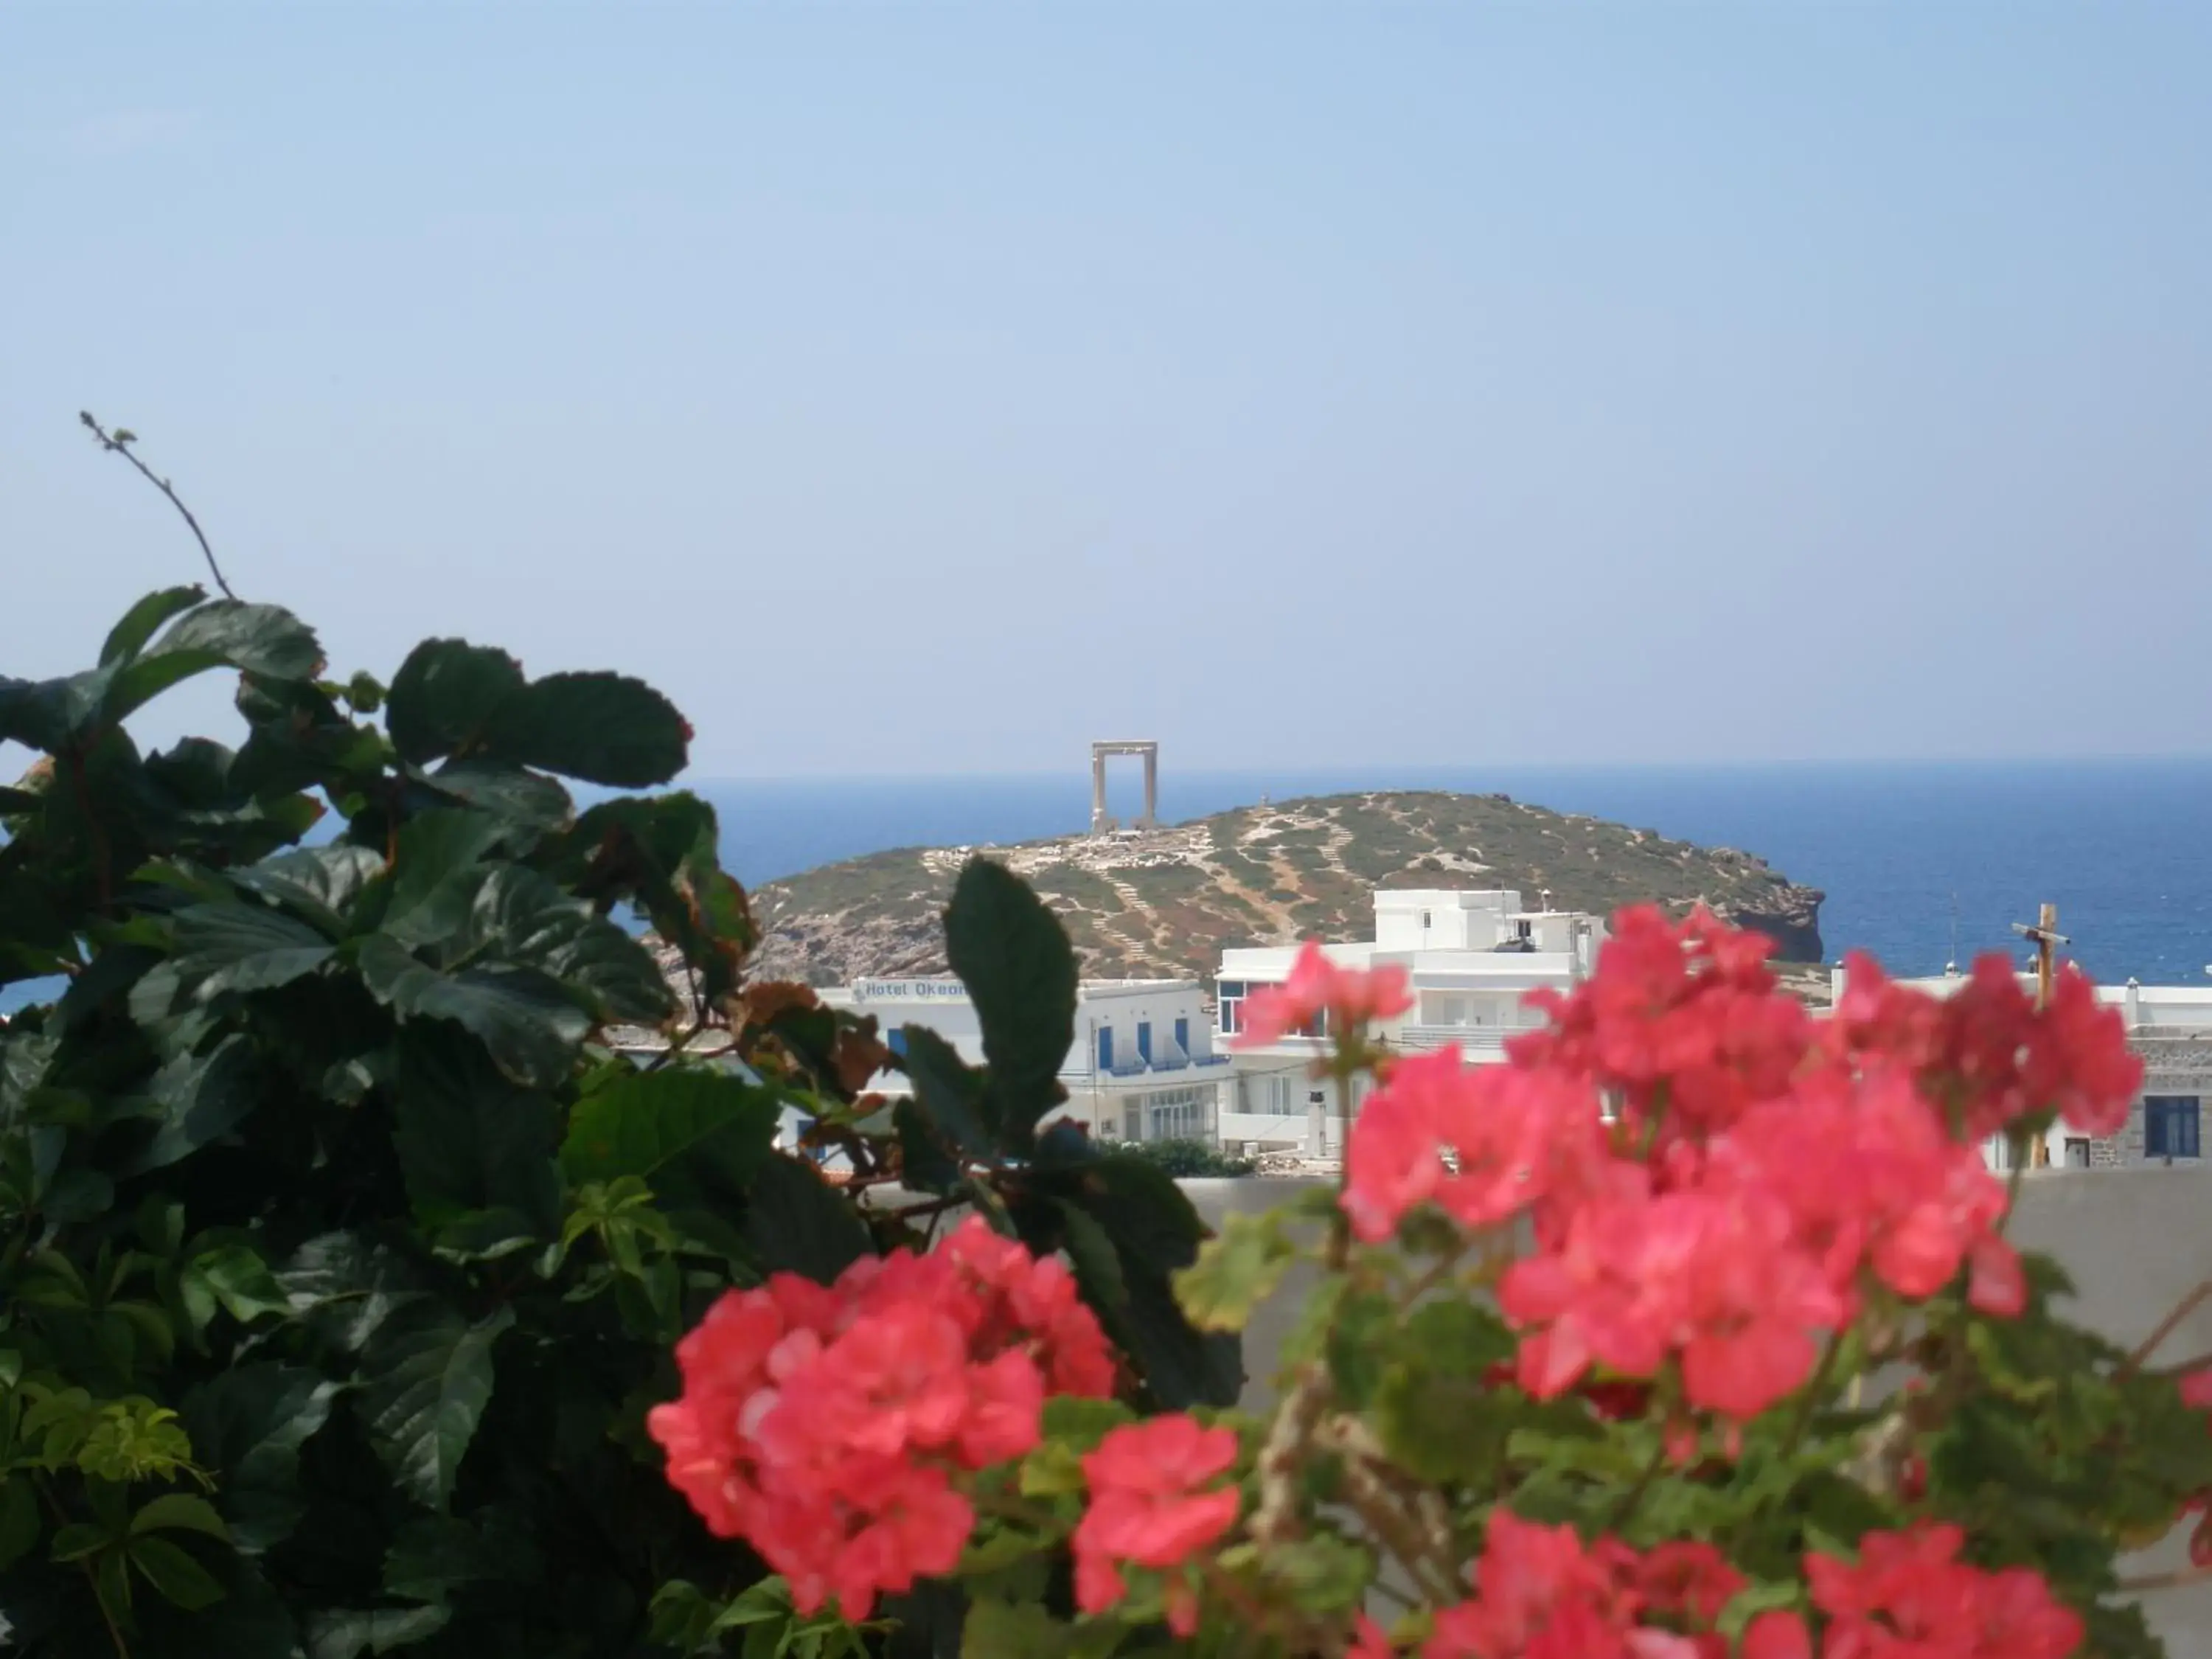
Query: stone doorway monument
{"points": [[1101, 823]]}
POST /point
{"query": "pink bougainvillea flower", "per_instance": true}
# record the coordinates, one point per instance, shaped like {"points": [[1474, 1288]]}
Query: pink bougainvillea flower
{"points": [[1987, 1056], [831, 1427], [1484, 1142], [1317, 989], [2196, 1390], [1543, 1593], [1909, 1594], [1684, 1016], [1777, 1636], [1151, 1503]]}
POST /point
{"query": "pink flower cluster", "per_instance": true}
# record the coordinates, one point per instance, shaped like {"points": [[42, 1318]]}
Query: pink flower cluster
{"points": [[1543, 1593], [1763, 1174], [1152, 1505], [1909, 1597], [1318, 995], [830, 1427]]}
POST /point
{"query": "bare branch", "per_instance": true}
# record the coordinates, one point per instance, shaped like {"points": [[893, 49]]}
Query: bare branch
{"points": [[119, 442], [2187, 1305], [2158, 1581]]}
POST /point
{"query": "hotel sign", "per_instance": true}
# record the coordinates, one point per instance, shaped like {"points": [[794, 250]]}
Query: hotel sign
{"points": [[910, 990]]}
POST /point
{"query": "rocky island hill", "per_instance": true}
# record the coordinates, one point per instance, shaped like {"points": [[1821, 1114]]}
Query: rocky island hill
{"points": [[1165, 902]]}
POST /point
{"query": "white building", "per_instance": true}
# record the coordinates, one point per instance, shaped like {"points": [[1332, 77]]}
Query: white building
{"points": [[1143, 1066], [2171, 1027], [1470, 957]]}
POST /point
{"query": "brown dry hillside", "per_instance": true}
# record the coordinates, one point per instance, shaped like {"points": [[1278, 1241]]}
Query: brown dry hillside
{"points": [[1167, 901]]}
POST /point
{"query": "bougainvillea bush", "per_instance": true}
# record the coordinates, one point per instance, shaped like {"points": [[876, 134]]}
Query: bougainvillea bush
{"points": [[1693, 1330], [361, 1167]]}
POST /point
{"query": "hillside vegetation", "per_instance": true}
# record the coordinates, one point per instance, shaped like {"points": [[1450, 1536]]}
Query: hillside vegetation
{"points": [[1167, 902]]}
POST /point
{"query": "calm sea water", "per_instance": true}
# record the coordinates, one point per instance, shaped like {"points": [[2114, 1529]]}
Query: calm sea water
{"points": [[1910, 857], [1906, 853]]}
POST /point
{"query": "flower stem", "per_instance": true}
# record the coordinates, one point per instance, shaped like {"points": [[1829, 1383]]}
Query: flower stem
{"points": [[1815, 1387], [1634, 1500], [2181, 1310]]}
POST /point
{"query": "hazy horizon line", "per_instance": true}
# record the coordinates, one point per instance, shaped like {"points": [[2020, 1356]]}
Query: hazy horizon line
{"points": [[1433, 769]]}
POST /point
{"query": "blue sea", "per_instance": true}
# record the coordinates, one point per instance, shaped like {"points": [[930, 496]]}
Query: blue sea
{"points": [[1918, 861]]}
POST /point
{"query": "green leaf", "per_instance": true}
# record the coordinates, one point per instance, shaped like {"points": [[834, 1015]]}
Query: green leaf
{"points": [[527, 801], [436, 868], [1098, 1263], [997, 1629], [257, 639], [201, 1099], [1013, 956], [19, 1526], [798, 1223], [179, 1512], [128, 637], [244, 947], [1235, 1272], [237, 1277], [426, 1377], [603, 728], [176, 1577], [445, 695], [467, 1137], [263, 640], [433, 1558], [640, 1121], [1155, 1233], [1080, 1423], [1436, 1375], [532, 1028], [1358, 1344], [950, 1096], [247, 1426], [349, 1633], [320, 883], [517, 915], [344, 1286]]}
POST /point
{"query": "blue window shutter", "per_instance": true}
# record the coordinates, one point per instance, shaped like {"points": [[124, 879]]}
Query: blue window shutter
{"points": [[1145, 1041], [1106, 1048], [1183, 1034], [896, 1040], [2173, 1125]]}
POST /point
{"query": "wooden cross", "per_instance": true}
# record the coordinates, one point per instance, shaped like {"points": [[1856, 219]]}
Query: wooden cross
{"points": [[2047, 939]]}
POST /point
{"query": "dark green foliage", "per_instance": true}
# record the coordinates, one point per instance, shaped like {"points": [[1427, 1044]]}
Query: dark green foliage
{"points": [[1188, 1160], [340, 1254]]}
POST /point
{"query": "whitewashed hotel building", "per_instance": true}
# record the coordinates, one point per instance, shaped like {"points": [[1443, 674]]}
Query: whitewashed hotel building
{"points": [[1471, 957], [1143, 1066]]}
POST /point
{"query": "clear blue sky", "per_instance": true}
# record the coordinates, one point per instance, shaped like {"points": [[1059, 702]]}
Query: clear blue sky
{"points": [[932, 388]]}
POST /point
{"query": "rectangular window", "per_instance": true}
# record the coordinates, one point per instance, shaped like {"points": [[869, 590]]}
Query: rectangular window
{"points": [[2170, 1125], [1145, 1041], [1231, 994], [1106, 1048], [895, 1040], [2077, 1151], [1177, 1114], [1182, 1035]]}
